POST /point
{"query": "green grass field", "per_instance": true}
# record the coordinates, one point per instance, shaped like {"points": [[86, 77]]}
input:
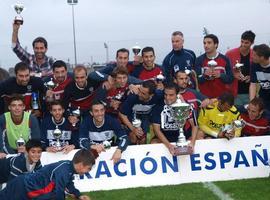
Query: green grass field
{"points": [[249, 189]]}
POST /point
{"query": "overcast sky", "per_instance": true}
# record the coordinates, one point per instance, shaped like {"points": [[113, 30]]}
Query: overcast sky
{"points": [[122, 23]]}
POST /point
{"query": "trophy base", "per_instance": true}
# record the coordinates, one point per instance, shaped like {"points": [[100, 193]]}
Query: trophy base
{"points": [[18, 21], [182, 150]]}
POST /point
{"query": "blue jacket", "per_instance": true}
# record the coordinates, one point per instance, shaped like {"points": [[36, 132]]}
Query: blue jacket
{"points": [[51, 181], [176, 61]]}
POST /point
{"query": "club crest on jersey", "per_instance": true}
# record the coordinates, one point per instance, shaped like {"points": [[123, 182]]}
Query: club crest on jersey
{"points": [[176, 68], [188, 63], [91, 89], [29, 88]]}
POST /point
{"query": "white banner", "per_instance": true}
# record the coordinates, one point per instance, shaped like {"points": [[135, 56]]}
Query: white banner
{"points": [[149, 165]]}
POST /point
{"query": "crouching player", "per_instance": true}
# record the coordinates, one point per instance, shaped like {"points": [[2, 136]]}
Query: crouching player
{"points": [[51, 181], [24, 162]]}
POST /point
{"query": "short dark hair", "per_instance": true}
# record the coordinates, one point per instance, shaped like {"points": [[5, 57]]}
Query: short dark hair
{"points": [[248, 35], [84, 156], [41, 40], [213, 37], [150, 84], [148, 49], [122, 50], [179, 71], [56, 102], [171, 86], [21, 66], [33, 143], [58, 64], [175, 33], [15, 97], [119, 70], [256, 101], [227, 97], [97, 102], [262, 50]]}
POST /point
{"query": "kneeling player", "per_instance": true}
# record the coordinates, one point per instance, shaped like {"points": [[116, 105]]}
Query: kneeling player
{"points": [[51, 181]]}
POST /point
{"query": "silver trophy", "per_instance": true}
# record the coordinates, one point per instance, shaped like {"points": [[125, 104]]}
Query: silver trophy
{"points": [[57, 134], [211, 64], [76, 113], [18, 7], [238, 66], [20, 141], [229, 128], [181, 111], [107, 144], [136, 49], [50, 84], [160, 78]]}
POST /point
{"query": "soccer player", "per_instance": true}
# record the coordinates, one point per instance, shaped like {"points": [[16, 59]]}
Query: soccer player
{"points": [[260, 73], [118, 92], [148, 69], [243, 55], [99, 127], [31, 88], [56, 120], [51, 181], [256, 123], [17, 124], [140, 106], [24, 162], [214, 117], [213, 79], [40, 64], [60, 78], [165, 128]]}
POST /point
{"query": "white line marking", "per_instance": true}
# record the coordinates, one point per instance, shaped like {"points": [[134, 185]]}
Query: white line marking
{"points": [[217, 191]]}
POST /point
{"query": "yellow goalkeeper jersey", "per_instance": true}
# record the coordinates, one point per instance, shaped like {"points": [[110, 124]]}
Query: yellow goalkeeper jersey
{"points": [[211, 120]]}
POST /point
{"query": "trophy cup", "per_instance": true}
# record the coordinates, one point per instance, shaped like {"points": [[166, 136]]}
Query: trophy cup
{"points": [[107, 144], [76, 113], [229, 128], [18, 7], [50, 85], [20, 141], [160, 78], [238, 67], [211, 64], [137, 124], [57, 133], [181, 112], [136, 50]]}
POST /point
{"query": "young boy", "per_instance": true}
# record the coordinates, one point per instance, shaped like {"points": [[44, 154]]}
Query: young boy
{"points": [[51, 181], [24, 162]]}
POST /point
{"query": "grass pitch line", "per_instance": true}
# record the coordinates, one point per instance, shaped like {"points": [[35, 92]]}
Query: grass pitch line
{"points": [[217, 191]]}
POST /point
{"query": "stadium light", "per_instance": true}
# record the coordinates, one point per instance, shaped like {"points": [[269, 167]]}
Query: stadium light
{"points": [[72, 3]]}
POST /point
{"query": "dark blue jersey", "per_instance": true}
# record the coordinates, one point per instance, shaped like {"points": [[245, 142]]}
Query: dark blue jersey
{"points": [[133, 106], [48, 125], [14, 166], [91, 134], [162, 115], [261, 75]]}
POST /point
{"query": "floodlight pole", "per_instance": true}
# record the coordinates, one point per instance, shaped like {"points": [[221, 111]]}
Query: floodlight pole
{"points": [[72, 3]]}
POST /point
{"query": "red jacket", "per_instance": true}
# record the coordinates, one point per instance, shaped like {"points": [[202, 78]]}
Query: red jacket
{"points": [[234, 55]]}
